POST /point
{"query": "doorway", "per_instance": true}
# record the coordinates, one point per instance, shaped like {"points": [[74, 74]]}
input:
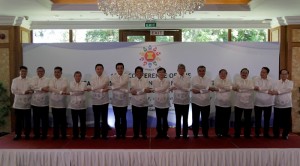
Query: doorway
{"points": [[150, 35]]}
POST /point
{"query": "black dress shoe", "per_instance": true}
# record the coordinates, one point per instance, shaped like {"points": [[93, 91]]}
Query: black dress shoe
{"points": [[185, 137], [17, 138], [166, 137], [285, 137], [248, 137], [27, 137], [196, 136], [205, 136], [95, 137], [36, 137], [219, 135], [227, 135], [44, 137], [236, 136], [158, 136], [135, 137], [55, 138], [177, 137], [144, 137], [64, 137], [267, 136], [256, 135], [104, 138]]}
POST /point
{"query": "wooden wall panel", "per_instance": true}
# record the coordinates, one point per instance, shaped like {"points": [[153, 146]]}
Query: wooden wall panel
{"points": [[296, 92], [4, 67], [11, 59], [296, 35], [293, 63], [275, 35]]}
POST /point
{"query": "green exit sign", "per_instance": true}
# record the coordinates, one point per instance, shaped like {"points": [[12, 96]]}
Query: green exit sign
{"points": [[150, 24]]}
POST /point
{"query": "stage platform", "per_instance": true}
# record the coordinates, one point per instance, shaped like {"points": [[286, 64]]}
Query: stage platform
{"points": [[128, 151]]}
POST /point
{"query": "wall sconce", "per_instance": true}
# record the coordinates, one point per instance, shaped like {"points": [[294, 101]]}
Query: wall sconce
{"points": [[2, 36]]}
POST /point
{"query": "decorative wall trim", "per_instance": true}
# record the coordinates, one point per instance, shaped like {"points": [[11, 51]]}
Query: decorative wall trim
{"points": [[15, 21], [7, 20], [287, 20], [255, 3], [292, 20]]}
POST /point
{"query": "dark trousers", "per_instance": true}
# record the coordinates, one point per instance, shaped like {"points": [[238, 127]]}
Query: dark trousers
{"points": [[181, 111], [120, 121], [100, 111], [139, 116], [23, 119], [59, 121], [40, 114], [204, 110], [162, 117], [238, 112], [267, 115], [82, 117], [282, 118], [222, 120]]}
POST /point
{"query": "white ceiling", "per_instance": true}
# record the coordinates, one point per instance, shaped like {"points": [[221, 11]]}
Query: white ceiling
{"points": [[42, 14]]}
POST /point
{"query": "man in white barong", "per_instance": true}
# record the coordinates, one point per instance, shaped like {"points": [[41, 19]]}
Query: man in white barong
{"points": [[21, 88], [161, 90], [243, 88], [283, 105], [40, 103], [120, 99], [58, 87], [264, 100]]}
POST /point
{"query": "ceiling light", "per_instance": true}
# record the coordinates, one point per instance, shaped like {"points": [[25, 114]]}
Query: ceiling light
{"points": [[148, 9]]}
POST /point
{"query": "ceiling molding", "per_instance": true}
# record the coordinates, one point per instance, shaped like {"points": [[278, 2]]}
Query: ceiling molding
{"points": [[44, 14], [45, 3], [7, 20], [74, 7], [15, 21], [23, 22], [287, 20], [95, 1], [255, 3], [276, 22], [141, 24], [227, 1], [292, 20], [74, 1], [94, 7], [224, 7]]}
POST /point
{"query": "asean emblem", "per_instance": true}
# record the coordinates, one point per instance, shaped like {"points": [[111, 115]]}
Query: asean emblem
{"points": [[150, 56]]}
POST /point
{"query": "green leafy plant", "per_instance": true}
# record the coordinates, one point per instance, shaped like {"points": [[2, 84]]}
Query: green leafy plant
{"points": [[4, 105]]}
